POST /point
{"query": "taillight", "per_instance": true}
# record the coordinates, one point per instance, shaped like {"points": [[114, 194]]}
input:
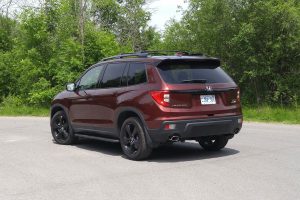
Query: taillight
{"points": [[161, 97], [233, 96]]}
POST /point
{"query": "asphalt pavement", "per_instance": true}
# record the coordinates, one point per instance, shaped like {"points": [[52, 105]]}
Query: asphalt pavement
{"points": [[262, 162]]}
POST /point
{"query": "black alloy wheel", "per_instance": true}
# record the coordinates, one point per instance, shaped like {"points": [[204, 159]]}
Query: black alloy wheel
{"points": [[133, 140], [213, 143], [61, 130]]}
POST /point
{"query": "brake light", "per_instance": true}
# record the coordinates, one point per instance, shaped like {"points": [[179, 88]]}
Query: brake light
{"points": [[161, 97], [234, 96]]}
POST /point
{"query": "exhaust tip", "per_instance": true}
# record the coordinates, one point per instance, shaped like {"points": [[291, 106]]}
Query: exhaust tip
{"points": [[174, 138]]}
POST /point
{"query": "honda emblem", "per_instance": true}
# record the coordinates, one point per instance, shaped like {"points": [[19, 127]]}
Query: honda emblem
{"points": [[208, 88]]}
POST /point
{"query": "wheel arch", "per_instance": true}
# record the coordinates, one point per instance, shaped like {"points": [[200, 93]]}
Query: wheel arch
{"points": [[126, 112], [58, 107]]}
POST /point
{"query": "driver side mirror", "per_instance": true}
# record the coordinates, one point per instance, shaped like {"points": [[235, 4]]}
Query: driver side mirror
{"points": [[71, 87]]}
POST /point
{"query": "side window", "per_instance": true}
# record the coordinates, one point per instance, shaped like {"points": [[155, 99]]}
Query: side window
{"points": [[124, 77], [91, 78], [137, 74], [112, 75]]}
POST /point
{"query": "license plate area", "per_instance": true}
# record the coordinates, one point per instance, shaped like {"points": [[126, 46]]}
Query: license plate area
{"points": [[208, 99]]}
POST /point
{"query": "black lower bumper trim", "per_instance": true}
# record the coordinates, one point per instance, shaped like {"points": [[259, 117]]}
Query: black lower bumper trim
{"points": [[193, 129]]}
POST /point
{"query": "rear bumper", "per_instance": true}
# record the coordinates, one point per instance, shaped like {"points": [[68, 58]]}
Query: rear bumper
{"points": [[193, 129]]}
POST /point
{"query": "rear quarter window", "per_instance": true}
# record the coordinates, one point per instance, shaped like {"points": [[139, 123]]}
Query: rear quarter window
{"points": [[136, 74], [189, 72]]}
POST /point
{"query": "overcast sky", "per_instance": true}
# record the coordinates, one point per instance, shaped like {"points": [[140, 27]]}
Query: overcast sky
{"points": [[164, 10]]}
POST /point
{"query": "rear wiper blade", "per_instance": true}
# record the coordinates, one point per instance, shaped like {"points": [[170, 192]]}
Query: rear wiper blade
{"points": [[194, 81]]}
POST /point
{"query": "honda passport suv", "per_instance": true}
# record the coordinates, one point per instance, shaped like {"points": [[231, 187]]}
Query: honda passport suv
{"points": [[147, 99]]}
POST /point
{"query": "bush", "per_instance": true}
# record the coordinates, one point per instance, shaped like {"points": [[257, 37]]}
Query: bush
{"points": [[41, 93], [12, 101]]}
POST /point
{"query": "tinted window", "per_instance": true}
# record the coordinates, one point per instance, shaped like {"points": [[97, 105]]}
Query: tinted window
{"points": [[124, 77], [90, 79], [112, 75], [181, 73], [136, 74]]}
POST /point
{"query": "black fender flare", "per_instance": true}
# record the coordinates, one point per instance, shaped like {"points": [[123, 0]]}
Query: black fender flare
{"points": [[61, 106], [120, 110]]}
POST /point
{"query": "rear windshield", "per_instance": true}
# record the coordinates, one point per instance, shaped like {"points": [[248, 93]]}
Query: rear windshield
{"points": [[182, 73]]}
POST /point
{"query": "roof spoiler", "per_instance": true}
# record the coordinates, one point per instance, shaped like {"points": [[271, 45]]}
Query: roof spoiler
{"points": [[207, 61]]}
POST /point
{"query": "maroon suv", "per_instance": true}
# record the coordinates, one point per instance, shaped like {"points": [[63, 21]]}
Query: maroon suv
{"points": [[144, 100]]}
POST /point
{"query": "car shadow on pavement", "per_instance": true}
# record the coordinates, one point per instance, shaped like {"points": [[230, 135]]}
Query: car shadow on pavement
{"points": [[109, 148], [187, 151], [179, 152]]}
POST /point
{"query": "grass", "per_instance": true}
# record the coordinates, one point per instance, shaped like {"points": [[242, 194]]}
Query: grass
{"points": [[258, 114], [24, 111], [272, 114]]}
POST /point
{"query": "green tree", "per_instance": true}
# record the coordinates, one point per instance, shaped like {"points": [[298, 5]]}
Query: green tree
{"points": [[128, 20], [258, 42], [7, 33], [105, 13], [48, 47]]}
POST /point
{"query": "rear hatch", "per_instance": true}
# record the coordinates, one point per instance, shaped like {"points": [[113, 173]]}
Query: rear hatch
{"points": [[199, 87]]}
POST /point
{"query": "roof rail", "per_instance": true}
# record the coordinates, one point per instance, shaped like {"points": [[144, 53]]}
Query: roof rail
{"points": [[196, 54], [126, 55], [163, 52], [145, 54]]}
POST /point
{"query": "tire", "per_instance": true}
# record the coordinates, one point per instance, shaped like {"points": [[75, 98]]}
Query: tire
{"points": [[133, 139], [61, 129], [215, 143]]}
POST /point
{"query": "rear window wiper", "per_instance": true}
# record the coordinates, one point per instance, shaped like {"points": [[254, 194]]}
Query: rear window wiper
{"points": [[195, 81]]}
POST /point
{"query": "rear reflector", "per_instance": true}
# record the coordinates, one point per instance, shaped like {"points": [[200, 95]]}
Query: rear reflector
{"points": [[170, 126]]}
